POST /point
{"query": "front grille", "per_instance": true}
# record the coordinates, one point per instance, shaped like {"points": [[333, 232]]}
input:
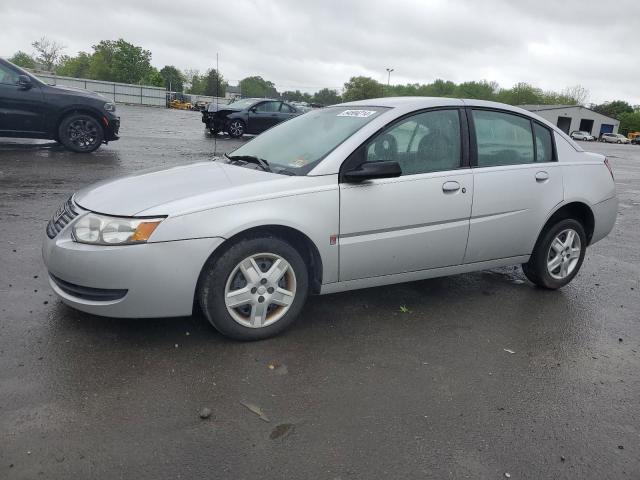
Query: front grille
{"points": [[67, 212], [89, 293]]}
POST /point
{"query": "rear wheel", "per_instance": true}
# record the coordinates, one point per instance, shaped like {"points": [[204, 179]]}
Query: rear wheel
{"points": [[255, 289], [558, 255], [80, 133]]}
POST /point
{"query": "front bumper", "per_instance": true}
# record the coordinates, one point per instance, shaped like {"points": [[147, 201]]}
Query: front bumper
{"points": [[135, 281], [111, 127]]}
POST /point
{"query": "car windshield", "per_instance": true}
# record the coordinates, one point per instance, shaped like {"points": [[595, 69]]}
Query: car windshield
{"points": [[244, 103], [297, 145]]}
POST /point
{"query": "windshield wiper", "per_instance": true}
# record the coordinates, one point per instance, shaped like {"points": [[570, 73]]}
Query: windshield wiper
{"points": [[251, 159]]}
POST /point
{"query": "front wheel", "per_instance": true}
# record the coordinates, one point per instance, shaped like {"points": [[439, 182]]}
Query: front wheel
{"points": [[236, 128], [255, 289], [81, 133], [558, 255]]}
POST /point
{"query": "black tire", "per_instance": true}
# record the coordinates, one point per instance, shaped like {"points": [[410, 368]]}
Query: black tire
{"points": [[81, 133], [536, 269], [236, 128], [217, 272]]}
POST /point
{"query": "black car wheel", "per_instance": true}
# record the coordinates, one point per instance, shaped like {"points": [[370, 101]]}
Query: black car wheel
{"points": [[81, 133], [235, 128]]}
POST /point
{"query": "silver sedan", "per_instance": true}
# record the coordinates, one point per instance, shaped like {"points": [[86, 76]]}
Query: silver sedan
{"points": [[351, 196]]}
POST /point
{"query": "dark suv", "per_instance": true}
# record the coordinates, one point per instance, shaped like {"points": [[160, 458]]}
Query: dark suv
{"points": [[79, 119]]}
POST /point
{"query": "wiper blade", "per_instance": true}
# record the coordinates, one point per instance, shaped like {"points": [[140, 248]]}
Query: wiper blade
{"points": [[251, 159]]}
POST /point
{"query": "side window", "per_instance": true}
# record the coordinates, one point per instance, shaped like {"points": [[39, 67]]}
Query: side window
{"points": [[502, 138], [8, 76], [268, 107], [427, 142], [286, 108], [544, 143]]}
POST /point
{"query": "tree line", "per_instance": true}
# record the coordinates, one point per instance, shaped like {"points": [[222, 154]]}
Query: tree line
{"points": [[121, 61]]}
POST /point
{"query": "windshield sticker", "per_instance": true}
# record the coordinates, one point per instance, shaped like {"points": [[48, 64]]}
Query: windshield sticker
{"points": [[356, 113], [298, 163]]}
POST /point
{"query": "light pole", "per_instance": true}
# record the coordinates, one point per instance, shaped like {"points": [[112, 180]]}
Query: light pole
{"points": [[389, 70]]}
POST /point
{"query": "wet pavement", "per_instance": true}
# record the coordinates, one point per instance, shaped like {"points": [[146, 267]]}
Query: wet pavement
{"points": [[358, 388]]}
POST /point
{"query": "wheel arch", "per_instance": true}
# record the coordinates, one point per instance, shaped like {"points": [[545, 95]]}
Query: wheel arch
{"points": [[576, 209], [81, 109], [297, 239]]}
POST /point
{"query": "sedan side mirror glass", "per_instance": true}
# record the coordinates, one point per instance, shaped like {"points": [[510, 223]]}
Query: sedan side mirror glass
{"points": [[24, 82], [371, 170]]}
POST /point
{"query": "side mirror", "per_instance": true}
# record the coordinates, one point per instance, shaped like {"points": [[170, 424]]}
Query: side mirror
{"points": [[253, 109], [24, 82], [371, 170]]}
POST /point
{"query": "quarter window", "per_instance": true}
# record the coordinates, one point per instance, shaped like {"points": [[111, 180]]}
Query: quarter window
{"points": [[427, 142], [502, 139], [544, 143]]}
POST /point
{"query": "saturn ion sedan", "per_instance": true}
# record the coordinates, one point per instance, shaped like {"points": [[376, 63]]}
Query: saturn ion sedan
{"points": [[356, 195]]}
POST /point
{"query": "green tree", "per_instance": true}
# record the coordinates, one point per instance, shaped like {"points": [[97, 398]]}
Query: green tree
{"points": [[78, 66], [614, 109], [153, 78], [630, 122], [48, 51], [120, 61], [362, 88], [172, 78], [257, 87], [326, 96], [23, 60], [521, 94], [482, 90], [214, 84]]}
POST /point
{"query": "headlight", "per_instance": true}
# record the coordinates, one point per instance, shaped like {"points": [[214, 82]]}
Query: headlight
{"points": [[102, 230], [110, 107]]}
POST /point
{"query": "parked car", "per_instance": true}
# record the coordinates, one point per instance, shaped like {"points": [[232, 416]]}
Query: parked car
{"points": [[635, 140], [614, 138], [79, 119], [356, 195], [249, 115], [585, 136]]}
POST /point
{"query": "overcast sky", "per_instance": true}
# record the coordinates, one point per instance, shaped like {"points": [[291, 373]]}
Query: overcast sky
{"points": [[308, 45]]}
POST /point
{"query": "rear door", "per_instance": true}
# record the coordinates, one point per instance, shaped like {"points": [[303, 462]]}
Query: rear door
{"points": [[517, 183], [419, 220], [22, 111]]}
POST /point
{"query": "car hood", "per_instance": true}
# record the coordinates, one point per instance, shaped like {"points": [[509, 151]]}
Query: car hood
{"points": [[182, 189], [218, 108], [81, 92]]}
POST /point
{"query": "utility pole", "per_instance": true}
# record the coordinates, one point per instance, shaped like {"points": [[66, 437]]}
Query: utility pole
{"points": [[389, 70]]}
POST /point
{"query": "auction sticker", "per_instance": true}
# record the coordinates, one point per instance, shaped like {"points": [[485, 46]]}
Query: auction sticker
{"points": [[356, 113]]}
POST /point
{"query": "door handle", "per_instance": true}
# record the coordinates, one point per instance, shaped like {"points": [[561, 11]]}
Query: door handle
{"points": [[450, 187], [542, 176]]}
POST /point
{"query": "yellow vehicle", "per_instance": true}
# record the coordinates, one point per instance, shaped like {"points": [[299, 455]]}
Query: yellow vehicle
{"points": [[179, 105], [633, 135]]}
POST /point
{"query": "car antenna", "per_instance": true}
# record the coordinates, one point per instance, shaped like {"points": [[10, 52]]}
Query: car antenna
{"points": [[215, 135]]}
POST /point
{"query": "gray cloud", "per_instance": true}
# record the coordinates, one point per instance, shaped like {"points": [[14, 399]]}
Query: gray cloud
{"points": [[309, 45]]}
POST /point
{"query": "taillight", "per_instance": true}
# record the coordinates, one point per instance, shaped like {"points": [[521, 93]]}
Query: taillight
{"points": [[606, 162]]}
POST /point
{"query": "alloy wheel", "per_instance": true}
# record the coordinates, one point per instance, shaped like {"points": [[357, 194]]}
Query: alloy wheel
{"points": [[564, 254], [236, 129], [83, 133], [260, 290]]}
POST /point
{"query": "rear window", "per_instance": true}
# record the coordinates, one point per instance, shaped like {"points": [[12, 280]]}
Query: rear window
{"points": [[544, 144]]}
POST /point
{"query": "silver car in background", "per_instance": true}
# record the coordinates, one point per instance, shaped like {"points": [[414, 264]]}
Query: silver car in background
{"points": [[614, 138], [351, 196], [584, 136]]}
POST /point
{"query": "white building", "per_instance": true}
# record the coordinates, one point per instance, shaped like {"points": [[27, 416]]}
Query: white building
{"points": [[570, 118]]}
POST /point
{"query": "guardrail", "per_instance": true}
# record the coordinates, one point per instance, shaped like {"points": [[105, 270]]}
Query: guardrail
{"points": [[117, 92]]}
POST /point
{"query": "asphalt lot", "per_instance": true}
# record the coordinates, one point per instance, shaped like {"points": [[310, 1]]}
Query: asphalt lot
{"points": [[356, 389]]}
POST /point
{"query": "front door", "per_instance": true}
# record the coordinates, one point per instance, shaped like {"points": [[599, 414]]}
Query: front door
{"points": [[517, 182], [21, 110], [264, 116], [419, 220]]}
